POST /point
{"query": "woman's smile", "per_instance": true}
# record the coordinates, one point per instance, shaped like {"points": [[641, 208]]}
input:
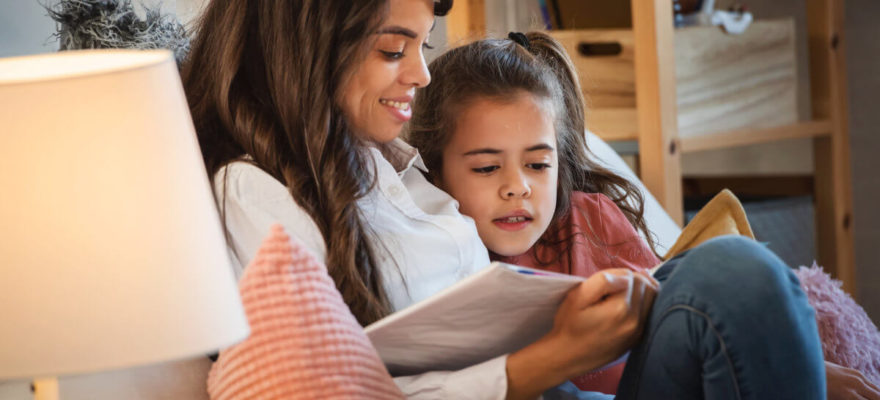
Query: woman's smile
{"points": [[399, 107]]}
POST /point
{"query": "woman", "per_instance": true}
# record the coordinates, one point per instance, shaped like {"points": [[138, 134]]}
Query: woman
{"points": [[298, 105], [291, 101]]}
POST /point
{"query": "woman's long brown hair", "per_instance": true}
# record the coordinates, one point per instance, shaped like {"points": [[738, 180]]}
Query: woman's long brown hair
{"points": [[263, 79], [497, 69]]}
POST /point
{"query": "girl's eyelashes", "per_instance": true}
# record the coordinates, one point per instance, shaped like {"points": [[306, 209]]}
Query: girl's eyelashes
{"points": [[485, 170], [539, 166], [492, 168], [426, 45]]}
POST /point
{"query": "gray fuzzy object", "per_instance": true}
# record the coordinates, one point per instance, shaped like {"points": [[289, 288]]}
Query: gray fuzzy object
{"points": [[113, 24]]}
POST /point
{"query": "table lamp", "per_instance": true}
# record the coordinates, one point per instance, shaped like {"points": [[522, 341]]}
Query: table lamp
{"points": [[111, 250]]}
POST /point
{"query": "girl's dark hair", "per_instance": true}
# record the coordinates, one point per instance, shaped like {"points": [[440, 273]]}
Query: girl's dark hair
{"points": [[263, 79], [497, 69]]}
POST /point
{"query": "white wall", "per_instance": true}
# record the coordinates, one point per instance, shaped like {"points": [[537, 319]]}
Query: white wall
{"points": [[25, 28]]}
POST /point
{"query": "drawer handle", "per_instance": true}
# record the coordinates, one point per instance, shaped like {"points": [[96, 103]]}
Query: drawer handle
{"points": [[599, 49]]}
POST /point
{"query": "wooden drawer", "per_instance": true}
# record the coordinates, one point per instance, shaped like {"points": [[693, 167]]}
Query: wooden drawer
{"points": [[723, 82]]}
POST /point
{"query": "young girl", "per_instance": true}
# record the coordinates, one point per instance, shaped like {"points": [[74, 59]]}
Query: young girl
{"points": [[501, 129]]}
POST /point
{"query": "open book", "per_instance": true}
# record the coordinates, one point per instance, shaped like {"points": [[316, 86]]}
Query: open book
{"points": [[496, 311]]}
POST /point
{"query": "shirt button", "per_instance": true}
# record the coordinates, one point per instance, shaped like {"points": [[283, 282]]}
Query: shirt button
{"points": [[395, 190]]}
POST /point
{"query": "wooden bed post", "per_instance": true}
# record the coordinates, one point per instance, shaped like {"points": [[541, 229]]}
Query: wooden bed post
{"points": [[833, 182], [659, 147]]}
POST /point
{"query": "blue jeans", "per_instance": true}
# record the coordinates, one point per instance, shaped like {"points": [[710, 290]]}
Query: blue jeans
{"points": [[730, 322]]}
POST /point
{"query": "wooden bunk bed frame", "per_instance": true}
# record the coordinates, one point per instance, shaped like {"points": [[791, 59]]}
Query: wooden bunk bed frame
{"points": [[660, 147]]}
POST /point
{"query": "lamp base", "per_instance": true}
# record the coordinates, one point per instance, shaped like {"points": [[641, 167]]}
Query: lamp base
{"points": [[45, 388]]}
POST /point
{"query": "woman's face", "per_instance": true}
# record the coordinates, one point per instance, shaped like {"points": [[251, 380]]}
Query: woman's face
{"points": [[501, 165], [376, 99]]}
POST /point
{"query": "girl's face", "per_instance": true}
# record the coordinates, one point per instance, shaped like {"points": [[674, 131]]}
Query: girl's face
{"points": [[376, 99], [501, 165]]}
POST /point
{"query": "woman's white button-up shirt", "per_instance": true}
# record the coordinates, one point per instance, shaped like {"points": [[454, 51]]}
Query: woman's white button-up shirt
{"points": [[422, 245]]}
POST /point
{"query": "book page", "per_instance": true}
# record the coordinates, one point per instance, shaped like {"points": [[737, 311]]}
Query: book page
{"points": [[496, 311]]}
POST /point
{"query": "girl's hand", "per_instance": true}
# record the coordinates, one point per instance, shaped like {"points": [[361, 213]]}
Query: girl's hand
{"points": [[846, 383], [598, 321]]}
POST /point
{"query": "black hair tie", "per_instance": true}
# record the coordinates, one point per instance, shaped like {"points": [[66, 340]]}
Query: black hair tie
{"points": [[521, 39]]}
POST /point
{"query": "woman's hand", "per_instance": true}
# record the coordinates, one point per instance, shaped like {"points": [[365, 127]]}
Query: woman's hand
{"points": [[846, 383], [603, 318], [598, 321]]}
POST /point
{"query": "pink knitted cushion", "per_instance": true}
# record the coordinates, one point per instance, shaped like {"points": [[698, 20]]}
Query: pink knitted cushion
{"points": [[304, 341], [849, 338]]}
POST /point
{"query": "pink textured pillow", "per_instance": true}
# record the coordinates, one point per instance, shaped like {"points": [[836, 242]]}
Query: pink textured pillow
{"points": [[849, 338], [304, 342]]}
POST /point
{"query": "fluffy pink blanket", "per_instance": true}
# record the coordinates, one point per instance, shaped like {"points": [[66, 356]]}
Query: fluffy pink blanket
{"points": [[849, 338]]}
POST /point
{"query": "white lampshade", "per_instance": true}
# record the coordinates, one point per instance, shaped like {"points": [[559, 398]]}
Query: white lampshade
{"points": [[111, 250]]}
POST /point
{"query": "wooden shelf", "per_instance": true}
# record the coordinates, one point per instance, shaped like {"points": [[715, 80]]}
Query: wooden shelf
{"points": [[735, 138], [744, 137]]}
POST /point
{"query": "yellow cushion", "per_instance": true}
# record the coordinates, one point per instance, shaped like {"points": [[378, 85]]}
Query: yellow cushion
{"points": [[723, 215]]}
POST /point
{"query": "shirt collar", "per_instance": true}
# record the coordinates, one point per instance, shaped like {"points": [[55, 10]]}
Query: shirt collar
{"points": [[401, 156]]}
